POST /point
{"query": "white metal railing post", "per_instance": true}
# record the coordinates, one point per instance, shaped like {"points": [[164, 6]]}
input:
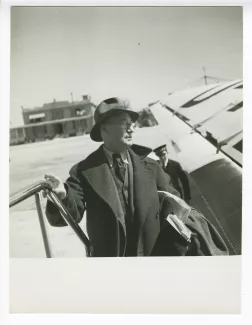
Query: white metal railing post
{"points": [[43, 226]]}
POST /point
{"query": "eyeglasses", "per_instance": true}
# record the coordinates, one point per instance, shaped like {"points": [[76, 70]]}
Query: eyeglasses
{"points": [[125, 125], [128, 126]]}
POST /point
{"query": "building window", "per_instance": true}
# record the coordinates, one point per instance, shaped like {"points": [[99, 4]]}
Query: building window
{"points": [[57, 115], [80, 111], [44, 129], [83, 124], [13, 133], [20, 132], [36, 118]]}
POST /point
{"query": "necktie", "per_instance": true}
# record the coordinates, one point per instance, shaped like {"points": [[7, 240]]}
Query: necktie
{"points": [[119, 166]]}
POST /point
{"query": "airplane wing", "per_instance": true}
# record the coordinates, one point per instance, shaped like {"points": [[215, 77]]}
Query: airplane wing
{"points": [[203, 126]]}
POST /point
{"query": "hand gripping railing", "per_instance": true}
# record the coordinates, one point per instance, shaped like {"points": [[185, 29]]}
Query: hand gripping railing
{"points": [[36, 190]]}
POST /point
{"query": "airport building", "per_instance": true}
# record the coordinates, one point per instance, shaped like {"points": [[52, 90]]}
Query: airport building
{"points": [[56, 119]]}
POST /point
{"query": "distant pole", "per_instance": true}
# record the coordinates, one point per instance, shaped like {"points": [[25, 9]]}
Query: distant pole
{"points": [[205, 77], [72, 97]]}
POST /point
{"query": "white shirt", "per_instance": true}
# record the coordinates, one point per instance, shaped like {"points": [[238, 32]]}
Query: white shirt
{"points": [[166, 161]]}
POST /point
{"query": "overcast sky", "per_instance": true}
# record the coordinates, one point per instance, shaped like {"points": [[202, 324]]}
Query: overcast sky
{"points": [[137, 53]]}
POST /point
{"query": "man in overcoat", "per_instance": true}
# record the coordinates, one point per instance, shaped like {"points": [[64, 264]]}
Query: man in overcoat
{"points": [[117, 188], [175, 171]]}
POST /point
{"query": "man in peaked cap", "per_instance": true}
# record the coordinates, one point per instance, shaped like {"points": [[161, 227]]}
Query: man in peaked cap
{"points": [[175, 171], [117, 188]]}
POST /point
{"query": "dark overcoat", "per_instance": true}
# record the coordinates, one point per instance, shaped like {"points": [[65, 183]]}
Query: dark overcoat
{"points": [[205, 239], [175, 171], [91, 187]]}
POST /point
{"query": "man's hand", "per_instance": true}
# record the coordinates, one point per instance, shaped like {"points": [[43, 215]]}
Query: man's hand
{"points": [[57, 185]]}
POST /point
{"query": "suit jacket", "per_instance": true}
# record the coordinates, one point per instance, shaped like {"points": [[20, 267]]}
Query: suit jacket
{"points": [[175, 171], [91, 187]]}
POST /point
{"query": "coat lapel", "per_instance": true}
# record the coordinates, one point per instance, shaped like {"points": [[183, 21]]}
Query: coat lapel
{"points": [[101, 180], [142, 178]]}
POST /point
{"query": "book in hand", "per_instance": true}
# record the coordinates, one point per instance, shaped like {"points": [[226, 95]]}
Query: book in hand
{"points": [[174, 238], [179, 226]]}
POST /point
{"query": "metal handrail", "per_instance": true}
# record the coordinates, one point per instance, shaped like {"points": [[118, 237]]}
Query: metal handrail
{"points": [[28, 192], [46, 187]]}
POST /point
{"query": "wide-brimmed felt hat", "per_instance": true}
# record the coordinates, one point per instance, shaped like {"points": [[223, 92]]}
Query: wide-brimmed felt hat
{"points": [[108, 108]]}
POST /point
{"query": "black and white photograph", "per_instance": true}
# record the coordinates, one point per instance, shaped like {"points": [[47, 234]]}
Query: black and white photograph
{"points": [[125, 132]]}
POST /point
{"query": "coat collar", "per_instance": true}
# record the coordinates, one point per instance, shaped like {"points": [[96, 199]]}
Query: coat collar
{"points": [[109, 156], [99, 177]]}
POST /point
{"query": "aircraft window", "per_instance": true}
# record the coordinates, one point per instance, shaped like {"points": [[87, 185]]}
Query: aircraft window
{"points": [[238, 146], [236, 107]]}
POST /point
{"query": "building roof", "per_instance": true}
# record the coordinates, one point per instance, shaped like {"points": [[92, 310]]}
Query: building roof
{"points": [[52, 122], [57, 105]]}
